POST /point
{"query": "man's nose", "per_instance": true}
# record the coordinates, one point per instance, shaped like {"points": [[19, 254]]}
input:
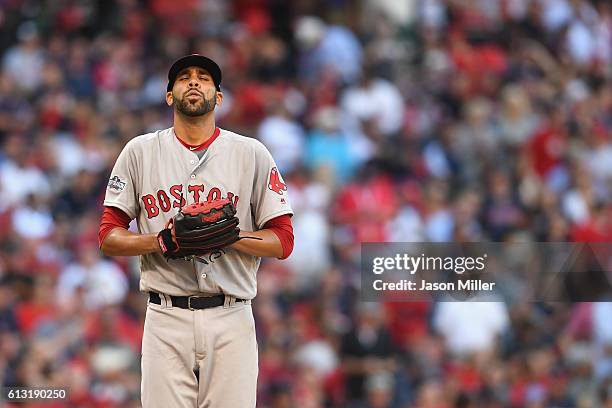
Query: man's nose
{"points": [[193, 82]]}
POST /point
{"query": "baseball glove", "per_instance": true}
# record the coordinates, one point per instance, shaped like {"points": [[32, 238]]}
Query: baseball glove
{"points": [[200, 228]]}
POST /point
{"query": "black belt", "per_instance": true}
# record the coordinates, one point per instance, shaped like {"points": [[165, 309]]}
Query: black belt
{"points": [[192, 302]]}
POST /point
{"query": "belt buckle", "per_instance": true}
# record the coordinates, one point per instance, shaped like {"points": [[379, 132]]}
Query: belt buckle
{"points": [[189, 302]]}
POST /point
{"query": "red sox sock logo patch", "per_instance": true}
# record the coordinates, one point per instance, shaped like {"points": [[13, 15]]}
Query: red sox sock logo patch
{"points": [[276, 183]]}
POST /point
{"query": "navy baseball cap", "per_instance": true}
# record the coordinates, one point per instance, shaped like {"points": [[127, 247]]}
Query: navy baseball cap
{"points": [[194, 60]]}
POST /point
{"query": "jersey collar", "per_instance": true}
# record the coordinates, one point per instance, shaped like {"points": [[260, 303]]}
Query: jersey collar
{"points": [[205, 145]]}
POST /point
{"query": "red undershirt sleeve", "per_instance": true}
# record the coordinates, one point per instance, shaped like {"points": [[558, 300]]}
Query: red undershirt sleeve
{"points": [[112, 217], [283, 229]]}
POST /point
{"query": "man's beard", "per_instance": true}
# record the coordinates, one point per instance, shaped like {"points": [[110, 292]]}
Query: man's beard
{"points": [[195, 109]]}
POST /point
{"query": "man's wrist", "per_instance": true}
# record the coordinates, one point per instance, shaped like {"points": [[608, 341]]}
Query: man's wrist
{"points": [[156, 245]]}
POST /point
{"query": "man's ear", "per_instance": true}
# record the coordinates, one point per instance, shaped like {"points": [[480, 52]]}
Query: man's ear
{"points": [[169, 98], [219, 97]]}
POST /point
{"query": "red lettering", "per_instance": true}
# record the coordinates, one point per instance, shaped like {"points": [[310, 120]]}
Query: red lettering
{"points": [[164, 200], [231, 196], [177, 192], [214, 194], [196, 190], [150, 206]]}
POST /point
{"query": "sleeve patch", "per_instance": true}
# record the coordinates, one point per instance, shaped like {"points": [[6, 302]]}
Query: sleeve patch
{"points": [[115, 183], [275, 182]]}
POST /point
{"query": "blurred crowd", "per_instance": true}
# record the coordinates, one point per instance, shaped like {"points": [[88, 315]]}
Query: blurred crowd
{"points": [[414, 120]]}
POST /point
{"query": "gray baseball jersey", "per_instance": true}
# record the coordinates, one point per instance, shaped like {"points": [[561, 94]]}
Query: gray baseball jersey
{"points": [[155, 175]]}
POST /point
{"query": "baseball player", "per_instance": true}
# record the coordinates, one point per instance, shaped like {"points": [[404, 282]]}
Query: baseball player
{"points": [[199, 347]]}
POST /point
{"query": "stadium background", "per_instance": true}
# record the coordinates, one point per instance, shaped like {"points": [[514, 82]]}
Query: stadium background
{"points": [[415, 120]]}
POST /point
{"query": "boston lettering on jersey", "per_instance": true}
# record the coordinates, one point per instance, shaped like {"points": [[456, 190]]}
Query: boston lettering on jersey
{"points": [[174, 198]]}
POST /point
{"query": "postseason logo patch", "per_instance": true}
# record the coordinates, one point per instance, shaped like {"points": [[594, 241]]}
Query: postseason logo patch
{"points": [[115, 183]]}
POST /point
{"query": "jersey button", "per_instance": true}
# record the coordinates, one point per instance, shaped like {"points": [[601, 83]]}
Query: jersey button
{"points": [[204, 276], [193, 176], [192, 161]]}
